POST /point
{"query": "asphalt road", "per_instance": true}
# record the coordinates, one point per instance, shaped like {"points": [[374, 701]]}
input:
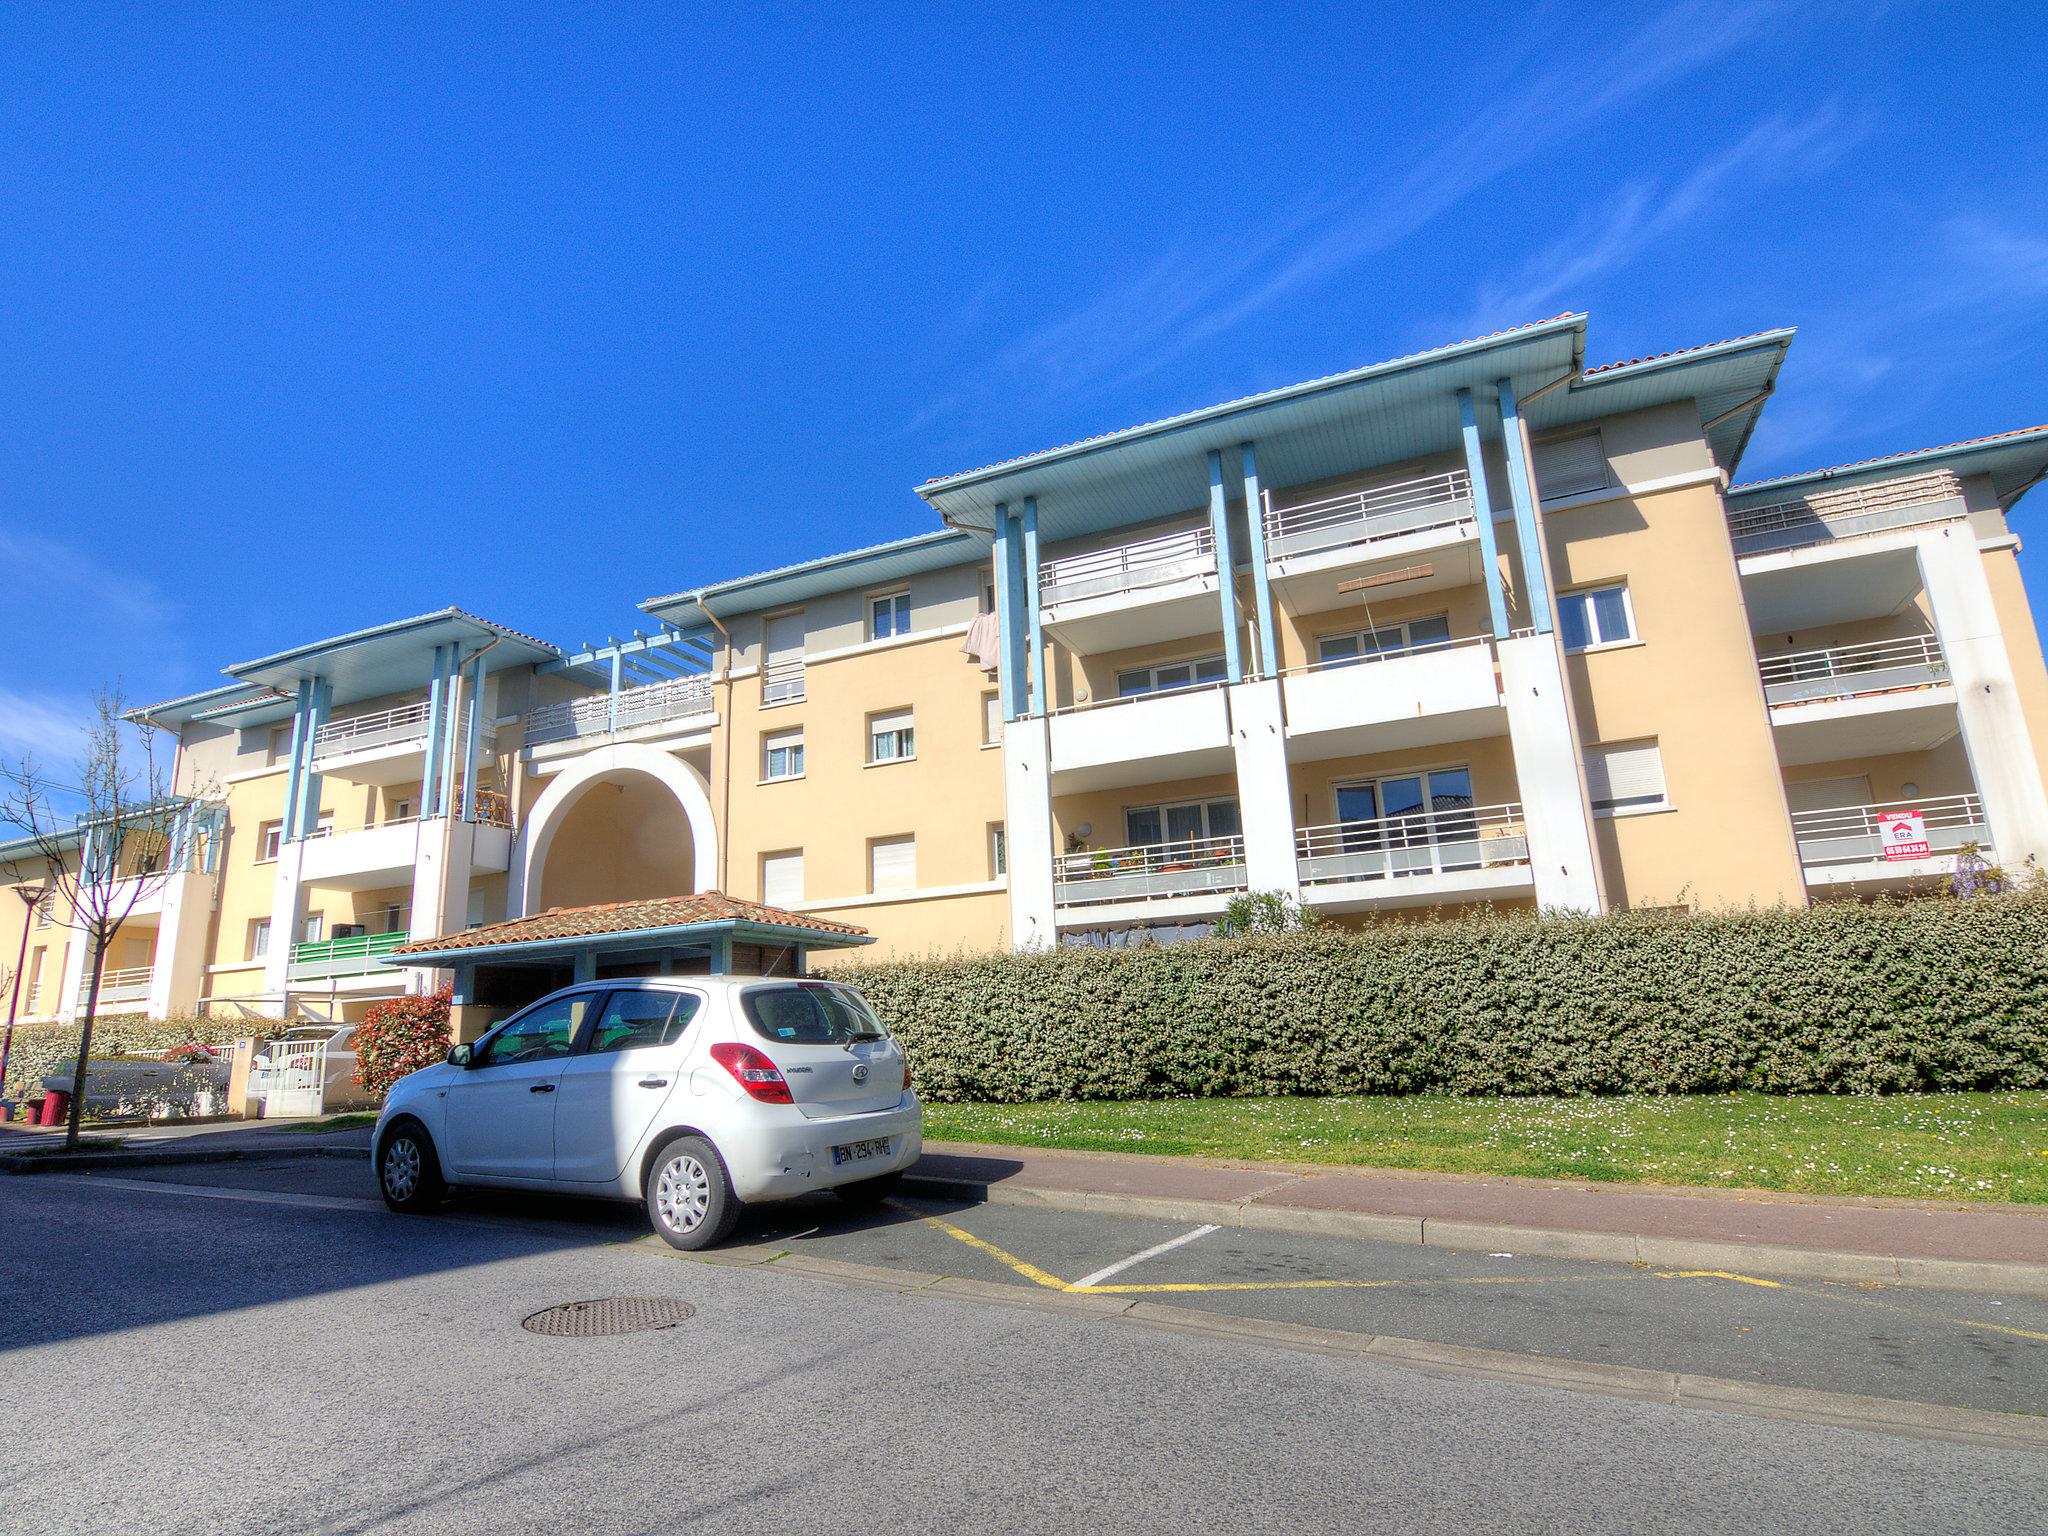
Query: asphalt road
{"points": [[282, 1354]]}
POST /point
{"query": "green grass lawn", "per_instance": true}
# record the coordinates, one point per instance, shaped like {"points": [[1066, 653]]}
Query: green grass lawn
{"points": [[1956, 1146]]}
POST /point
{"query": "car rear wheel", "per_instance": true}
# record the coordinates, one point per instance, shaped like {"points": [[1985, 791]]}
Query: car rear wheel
{"points": [[408, 1172], [689, 1197], [870, 1191]]}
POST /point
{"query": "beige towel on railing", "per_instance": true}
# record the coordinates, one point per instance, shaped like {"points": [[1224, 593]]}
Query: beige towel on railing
{"points": [[984, 642]]}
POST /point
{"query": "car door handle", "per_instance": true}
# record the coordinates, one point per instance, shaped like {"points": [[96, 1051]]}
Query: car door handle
{"points": [[653, 1082], [542, 1088]]}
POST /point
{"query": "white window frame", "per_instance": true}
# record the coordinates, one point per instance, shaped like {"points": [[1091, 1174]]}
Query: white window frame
{"points": [[899, 727], [998, 850], [1152, 670], [1599, 775], [875, 846], [1162, 808], [784, 858], [895, 603], [992, 718], [269, 841], [259, 939], [791, 744], [793, 686], [46, 909], [1409, 644], [1601, 641]]}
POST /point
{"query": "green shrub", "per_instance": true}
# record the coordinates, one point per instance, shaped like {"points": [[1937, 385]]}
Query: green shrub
{"points": [[400, 1035], [1840, 998], [38, 1048]]}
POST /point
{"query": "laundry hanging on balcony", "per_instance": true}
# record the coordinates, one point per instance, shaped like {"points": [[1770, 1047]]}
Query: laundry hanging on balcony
{"points": [[984, 642]]}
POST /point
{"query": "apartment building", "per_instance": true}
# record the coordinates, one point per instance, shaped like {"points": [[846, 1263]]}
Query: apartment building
{"points": [[1481, 624]]}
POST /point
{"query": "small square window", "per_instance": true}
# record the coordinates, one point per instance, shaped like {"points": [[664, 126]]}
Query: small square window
{"points": [[1595, 617], [892, 738], [998, 851], [892, 864], [888, 615], [991, 719], [782, 755]]}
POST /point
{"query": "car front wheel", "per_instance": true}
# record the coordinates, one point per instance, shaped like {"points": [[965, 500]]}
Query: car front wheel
{"points": [[689, 1196], [408, 1172]]}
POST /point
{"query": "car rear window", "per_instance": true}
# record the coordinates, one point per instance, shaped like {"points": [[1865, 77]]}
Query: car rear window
{"points": [[810, 1015]]}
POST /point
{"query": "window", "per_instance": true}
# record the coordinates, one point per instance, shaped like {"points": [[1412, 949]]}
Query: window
{"points": [[546, 1030], [1414, 811], [637, 1019], [782, 878], [1384, 640], [401, 810], [892, 864], [782, 755], [891, 737], [1570, 466], [986, 595], [991, 719], [782, 658], [1596, 617], [46, 909], [810, 1014], [1627, 776], [888, 615], [1135, 682], [280, 744], [316, 928], [394, 917], [998, 851], [35, 977], [1156, 826], [269, 836], [259, 939]]}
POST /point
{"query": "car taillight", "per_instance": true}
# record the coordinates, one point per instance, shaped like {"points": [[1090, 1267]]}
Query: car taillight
{"points": [[753, 1071]]}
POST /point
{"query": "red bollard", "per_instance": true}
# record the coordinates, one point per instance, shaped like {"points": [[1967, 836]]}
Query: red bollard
{"points": [[56, 1107]]}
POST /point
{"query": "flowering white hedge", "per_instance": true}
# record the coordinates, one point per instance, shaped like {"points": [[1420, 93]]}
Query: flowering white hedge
{"points": [[39, 1048], [1932, 994]]}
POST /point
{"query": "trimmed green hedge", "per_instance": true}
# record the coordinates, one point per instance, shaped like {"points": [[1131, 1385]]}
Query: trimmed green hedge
{"points": [[39, 1048], [1840, 998]]}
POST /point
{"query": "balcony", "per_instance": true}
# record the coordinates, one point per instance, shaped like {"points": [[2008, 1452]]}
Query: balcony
{"points": [[1155, 873], [360, 954], [125, 985], [1415, 860], [685, 699], [1410, 698], [1843, 845], [1432, 504], [1825, 517], [1180, 733], [374, 858], [1866, 700], [1159, 588], [382, 748]]}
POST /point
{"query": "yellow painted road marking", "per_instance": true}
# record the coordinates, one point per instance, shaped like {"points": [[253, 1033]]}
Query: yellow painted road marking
{"points": [[1029, 1271], [1717, 1274]]}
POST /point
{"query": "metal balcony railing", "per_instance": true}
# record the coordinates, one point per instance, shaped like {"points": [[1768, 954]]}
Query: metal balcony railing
{"points": [[1187, 867], [1854, 671], [1391, 653], [782, 682], [357, 955], [1848, 834], [594, 716], [1374, 513], [1824, 516], [1430, 842], [360, 733], [125, 984], [1129, 567]]}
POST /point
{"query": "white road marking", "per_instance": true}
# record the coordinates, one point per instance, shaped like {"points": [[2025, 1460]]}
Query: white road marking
{"points": [[1138, 1258], [217, 1192]]}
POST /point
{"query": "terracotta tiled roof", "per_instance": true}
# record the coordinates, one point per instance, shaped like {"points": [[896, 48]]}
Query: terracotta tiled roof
{"points": [[627, 917], [1658, 357], [1886, 458], [1250, 399]]}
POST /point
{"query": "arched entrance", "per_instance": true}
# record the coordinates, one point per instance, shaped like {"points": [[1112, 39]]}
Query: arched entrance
{"points": [[620, 824]]}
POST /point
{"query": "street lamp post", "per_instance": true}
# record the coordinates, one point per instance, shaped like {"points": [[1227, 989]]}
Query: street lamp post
{"points": [[33, 896]]}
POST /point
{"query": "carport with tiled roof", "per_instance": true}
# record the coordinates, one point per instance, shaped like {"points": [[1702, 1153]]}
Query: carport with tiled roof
{"points": [[503, 966]]}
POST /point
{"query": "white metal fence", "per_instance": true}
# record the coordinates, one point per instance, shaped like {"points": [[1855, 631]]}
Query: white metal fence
{"points": [[1185, 867], [594, 716], [1848, 834], [289, 1076], [1376, 512], [1826, 515], [1128, 567], [125, 984], [1854, 671], [1423, 843]]}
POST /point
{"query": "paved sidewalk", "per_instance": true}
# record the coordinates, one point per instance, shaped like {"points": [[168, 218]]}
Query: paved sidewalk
{"points": [[1867, 1238]]}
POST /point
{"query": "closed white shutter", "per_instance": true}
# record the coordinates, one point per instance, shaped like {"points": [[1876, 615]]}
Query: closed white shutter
{"points": [[782, 879], [1624, 775], [1828, 794], [782, 658], [991, 718], [892, 864], [895, 720], [1570, 466]]}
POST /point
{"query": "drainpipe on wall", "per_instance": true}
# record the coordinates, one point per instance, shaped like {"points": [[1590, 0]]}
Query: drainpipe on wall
{"points": [[725, 767]]}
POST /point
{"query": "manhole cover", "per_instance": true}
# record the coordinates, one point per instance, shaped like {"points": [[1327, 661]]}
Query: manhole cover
{"points": [[609, 1315]]}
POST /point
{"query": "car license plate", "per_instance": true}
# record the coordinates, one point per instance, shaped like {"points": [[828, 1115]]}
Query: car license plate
{"points": [[860, 1151]]}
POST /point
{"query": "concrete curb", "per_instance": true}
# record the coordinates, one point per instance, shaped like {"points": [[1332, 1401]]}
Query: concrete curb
{"points": [[78, 1162], [1875, 1415], [1646, 1250]]}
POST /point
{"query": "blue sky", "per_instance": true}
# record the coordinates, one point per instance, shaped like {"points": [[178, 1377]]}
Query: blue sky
{"points": [[311, 318]]}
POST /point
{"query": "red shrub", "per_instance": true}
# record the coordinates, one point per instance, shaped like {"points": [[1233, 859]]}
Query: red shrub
{"points": [[398, 1036]]}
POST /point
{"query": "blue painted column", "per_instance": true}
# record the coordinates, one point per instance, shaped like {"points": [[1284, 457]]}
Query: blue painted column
{"points": [[586, 965], [611, 721], [1226, 570], [1482, 510], [1262, 582], [473, 756], [320, 703], [721, 955], [1522, 487], [437, 710], [288, 825], [1033, 607], [1009, 622]]}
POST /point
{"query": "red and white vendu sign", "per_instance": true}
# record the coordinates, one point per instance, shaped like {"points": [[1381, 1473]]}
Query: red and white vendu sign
{"points": [[1902, 834]]}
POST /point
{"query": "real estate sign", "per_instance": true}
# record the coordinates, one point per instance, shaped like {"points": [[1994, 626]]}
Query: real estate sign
{"points": [[1902, 834]]}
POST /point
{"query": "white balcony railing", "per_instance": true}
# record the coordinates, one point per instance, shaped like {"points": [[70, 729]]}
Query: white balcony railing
{"points": [[1129, 567], [363, 733], [1824, 516], [125, 984], [782, 682], [1366, 516], [1848, 834], [1854, 671], [1188, 867], [594, 716], [1430, 842]]}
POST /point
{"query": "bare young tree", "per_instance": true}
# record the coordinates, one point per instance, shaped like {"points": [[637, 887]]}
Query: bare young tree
{"points": [[101, 844]]}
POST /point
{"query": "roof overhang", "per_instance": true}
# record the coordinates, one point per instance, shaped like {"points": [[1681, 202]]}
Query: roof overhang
{"points": [[675, 936], [2015, 462], [792, 584]]}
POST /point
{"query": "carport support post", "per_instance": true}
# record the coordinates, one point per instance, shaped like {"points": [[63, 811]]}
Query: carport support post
{"points": [[586, 965], [721, 955]]}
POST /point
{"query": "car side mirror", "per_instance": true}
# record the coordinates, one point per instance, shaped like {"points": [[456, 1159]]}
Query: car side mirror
{"points": [[460, 1055]]}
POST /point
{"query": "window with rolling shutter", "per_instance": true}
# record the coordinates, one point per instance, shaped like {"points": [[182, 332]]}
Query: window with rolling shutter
{"points": [[782, 658], [1828, 794], [1626, 776], [782, 878], [1570, 466], [892, 864], [892, 737]]}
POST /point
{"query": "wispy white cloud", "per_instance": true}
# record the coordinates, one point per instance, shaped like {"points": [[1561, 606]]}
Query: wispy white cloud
{"points": [[56, 568], [49, 727]]}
